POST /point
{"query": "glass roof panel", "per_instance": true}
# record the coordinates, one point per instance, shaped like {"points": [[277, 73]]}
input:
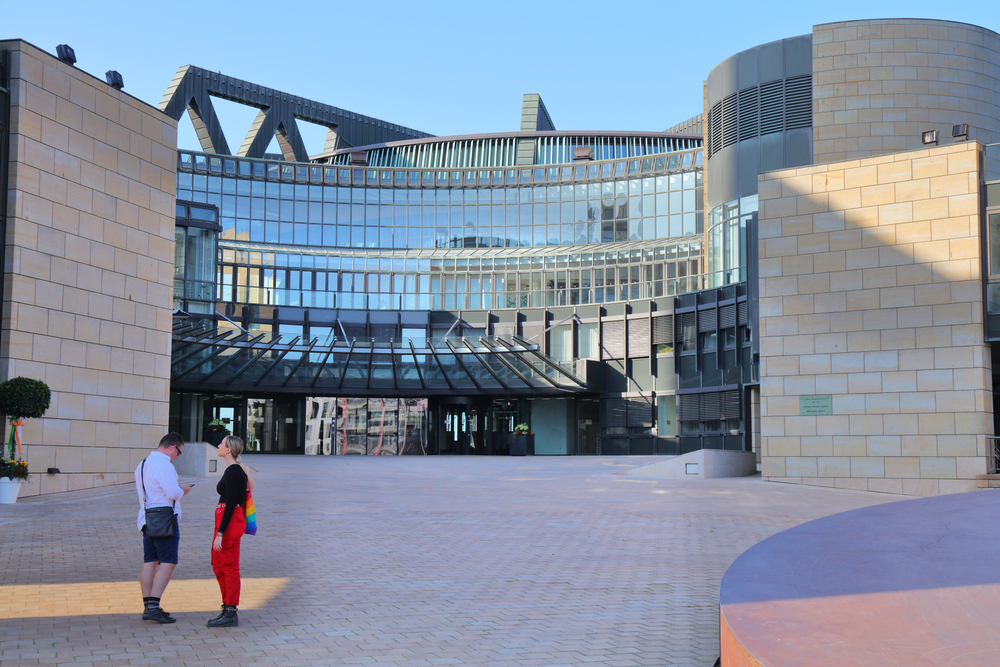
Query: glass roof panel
{"points": [[406, 370], [356, 372], [382, 373], [459, 378]]}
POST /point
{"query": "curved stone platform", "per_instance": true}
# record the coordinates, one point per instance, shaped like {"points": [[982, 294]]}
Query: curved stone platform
{"points": [[910, 583]]}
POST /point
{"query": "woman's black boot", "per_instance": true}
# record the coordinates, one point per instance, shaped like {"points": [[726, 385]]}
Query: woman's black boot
{"points": [[217, 618], [228, 618]]}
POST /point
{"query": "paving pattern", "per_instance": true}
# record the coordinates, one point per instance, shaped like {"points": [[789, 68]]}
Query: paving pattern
{"points": [[404, 561]]}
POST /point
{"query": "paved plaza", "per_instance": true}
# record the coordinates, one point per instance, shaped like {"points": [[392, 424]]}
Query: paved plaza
{"points": [[404, 561]]}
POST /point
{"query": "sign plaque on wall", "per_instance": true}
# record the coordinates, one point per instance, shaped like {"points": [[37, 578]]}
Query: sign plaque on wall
{"points": [[819, 404]]}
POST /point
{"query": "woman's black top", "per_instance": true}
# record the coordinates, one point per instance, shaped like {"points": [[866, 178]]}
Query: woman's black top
{"points": [[232, 490]]}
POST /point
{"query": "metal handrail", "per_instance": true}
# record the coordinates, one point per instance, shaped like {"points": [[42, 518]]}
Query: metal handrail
{"points": [[993, 449]]}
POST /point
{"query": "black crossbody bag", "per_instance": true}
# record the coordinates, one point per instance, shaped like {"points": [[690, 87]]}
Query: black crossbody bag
{"points": [[159, 520]]}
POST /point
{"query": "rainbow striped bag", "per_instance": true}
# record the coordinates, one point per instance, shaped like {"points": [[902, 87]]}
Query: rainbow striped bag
{"points": [[250, 514]]}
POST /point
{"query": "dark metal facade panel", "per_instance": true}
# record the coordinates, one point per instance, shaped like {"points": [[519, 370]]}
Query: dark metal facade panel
{"points": [[192, 88]]}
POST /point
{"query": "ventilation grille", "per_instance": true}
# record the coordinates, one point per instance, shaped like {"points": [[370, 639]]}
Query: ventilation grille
{"points": [[798, 102], [741, 312], [715, 129], [729, 120], [638, 337], [749, 120], [663, 330], [613, 340], [772, 107]]}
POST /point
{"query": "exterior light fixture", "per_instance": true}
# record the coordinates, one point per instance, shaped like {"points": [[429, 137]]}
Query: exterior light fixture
{"points": [[114, 79], [66, 54], [359, 158], [582, 153], [929, 137], [960, 131]]}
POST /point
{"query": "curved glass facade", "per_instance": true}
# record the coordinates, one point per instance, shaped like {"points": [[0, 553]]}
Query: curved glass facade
{"points": [[363, 238], [502, 151]]}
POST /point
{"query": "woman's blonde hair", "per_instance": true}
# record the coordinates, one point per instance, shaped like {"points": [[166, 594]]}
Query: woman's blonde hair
{"points": [[235, 446]]}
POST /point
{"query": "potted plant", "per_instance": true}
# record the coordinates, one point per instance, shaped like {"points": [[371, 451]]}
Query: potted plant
{"points": [[215, 432], [20, 398], [523, 441]]}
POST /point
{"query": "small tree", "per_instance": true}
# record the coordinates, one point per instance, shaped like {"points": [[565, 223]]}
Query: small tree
{"points": [[22, 398]]}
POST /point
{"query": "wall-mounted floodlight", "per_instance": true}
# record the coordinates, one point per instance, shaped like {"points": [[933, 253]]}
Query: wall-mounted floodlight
{"points": [[960, 131], [114, 79], [66, 54], [929, 137]]}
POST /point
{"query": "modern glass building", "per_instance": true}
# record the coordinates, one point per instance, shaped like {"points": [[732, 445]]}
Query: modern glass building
{"points": [[429, 295]]}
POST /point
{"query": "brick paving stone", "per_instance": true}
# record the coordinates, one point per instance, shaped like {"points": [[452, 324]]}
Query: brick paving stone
{"points": [[408, 562]]}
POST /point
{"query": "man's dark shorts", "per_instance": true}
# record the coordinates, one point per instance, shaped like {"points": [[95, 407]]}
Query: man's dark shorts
{"points": [[164, 549]]}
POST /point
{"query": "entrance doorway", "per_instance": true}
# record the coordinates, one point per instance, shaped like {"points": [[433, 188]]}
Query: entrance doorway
{"points": [[460, 430]]}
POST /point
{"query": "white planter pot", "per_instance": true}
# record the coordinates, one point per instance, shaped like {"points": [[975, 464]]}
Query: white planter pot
{"points": [[9, 489]]}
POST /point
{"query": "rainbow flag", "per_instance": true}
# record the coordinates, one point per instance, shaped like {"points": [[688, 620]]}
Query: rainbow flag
{"points": [[250, 514]]}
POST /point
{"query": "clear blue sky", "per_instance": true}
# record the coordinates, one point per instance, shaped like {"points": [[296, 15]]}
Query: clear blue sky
{"points": [[446, 67]]}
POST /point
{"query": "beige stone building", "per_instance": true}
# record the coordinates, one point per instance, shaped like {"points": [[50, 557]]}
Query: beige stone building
{"points": [[875, 374], [88, 268]]}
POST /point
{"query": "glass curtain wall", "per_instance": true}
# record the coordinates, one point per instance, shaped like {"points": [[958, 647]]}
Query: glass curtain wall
{"points": [[340, 426]]}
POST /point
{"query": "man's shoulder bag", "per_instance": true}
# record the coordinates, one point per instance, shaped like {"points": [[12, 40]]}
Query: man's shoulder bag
{"points": [[159, 520]]}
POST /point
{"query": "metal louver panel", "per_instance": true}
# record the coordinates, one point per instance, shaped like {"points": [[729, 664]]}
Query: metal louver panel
{"points": [[663, 330], [710, 405], [729, 124], [749, 120], [771, 108], [687, 407], [708, 135], [640, 412], [727, 316], [716, 129], [730, 405], [741, 312], [687, 329], [706, 320], [798, 102], [613, 340], [638, 337], [613, 413]]}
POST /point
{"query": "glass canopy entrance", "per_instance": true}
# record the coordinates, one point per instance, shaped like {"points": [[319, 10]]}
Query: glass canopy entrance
{"points": [[209, 358]]}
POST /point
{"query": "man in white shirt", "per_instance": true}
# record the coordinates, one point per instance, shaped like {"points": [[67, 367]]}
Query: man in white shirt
{"points": [[156, 484]]}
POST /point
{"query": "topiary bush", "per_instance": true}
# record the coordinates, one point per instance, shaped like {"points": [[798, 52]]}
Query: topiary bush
{"points": [[21, 398], [24, 398]]}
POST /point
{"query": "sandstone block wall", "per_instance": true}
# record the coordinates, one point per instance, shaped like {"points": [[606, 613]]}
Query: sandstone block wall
{"points": [[877, 85], [871, 293], [88, 269]]}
